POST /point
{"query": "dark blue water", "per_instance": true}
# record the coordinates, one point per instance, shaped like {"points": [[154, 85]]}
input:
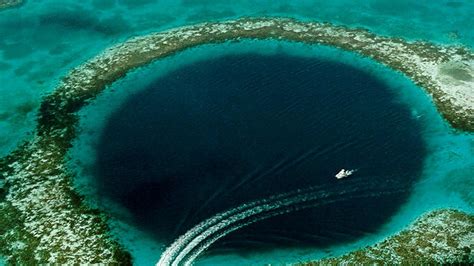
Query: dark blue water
{"points": [[218, 133]]}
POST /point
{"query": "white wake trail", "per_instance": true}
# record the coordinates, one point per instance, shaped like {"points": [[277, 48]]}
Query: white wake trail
{"points": [[201, 247], [169, 254], [195, 241]]}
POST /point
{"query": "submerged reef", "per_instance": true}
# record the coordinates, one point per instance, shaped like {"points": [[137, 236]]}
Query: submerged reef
{"points": [[10, 3], [438, 237], [44, 220]]}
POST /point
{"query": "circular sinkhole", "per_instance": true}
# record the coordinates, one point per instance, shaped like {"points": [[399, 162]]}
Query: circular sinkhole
{"points": [[215, 134]]}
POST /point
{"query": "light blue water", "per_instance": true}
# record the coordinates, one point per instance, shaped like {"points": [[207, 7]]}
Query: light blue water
{"points": [[42, 40], [436, 188]]}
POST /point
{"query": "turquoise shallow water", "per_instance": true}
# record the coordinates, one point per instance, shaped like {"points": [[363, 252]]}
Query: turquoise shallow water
{"points": [[436, 189], [42, 40]]}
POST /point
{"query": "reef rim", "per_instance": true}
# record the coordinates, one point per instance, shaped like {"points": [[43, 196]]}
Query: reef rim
{"points": [[44, 220]]}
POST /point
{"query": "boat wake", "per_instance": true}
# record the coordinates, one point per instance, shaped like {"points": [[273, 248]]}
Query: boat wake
{"points": [[185, 249]]}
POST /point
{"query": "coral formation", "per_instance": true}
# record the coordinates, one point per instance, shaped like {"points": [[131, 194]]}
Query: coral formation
{"points": [[438, 237], [10, 3]]}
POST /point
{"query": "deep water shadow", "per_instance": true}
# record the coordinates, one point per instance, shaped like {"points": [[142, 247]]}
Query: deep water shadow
{"points": [[215, 134]]}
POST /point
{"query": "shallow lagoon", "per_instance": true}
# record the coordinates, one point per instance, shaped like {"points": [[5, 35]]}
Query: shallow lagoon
{"points": [[428, 194]]}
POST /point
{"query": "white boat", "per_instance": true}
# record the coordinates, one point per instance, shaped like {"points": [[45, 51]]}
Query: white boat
{"points": [[344, 173]]}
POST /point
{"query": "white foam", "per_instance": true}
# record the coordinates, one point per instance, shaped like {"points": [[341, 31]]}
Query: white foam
{"points": [[178, 244], [190, 245]]}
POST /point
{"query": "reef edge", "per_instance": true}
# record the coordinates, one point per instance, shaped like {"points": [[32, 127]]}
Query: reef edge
{"points": [[421, 243]]}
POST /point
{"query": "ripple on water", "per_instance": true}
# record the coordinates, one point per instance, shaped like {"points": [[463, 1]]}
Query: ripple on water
{"points": [[222, 132]]}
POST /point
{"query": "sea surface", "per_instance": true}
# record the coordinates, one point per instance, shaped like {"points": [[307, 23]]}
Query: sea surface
{"points": [[216, 134], [253, 119], [213, 127]]}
